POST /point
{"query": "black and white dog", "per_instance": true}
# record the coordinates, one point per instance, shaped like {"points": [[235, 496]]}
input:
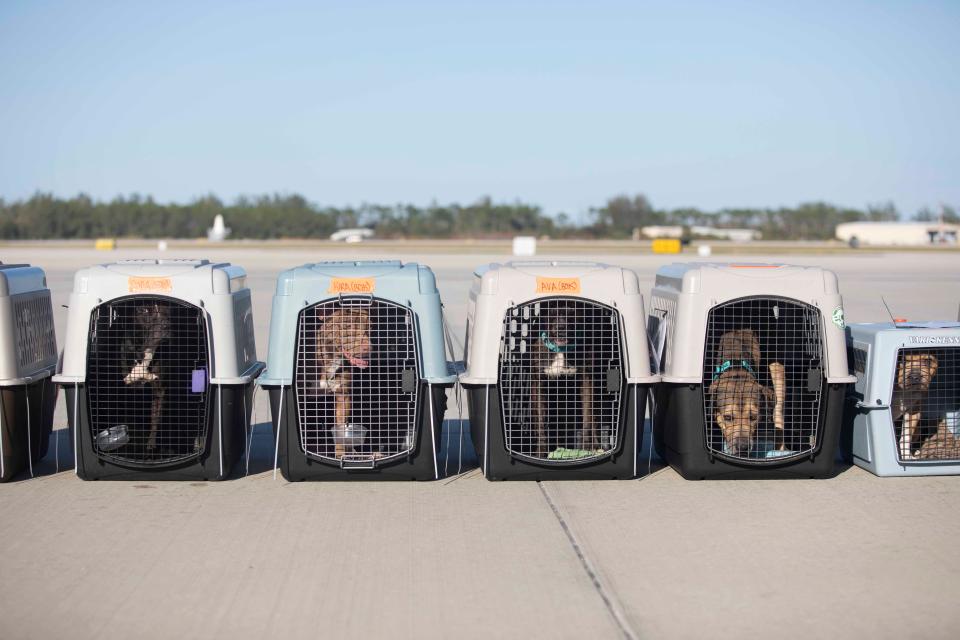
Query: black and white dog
{"points": [[151, 328]]}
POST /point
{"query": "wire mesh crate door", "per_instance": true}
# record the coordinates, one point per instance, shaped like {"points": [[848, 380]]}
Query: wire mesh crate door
{"points": [[34, 334], [561, 379], [356, 379], [147, 376], [925, 404], [763, 377]]}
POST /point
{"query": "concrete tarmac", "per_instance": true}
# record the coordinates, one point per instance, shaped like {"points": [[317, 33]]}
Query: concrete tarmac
{"points": [[658, 557]]}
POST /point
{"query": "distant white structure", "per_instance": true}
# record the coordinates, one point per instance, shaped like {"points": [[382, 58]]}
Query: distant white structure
{"points": [[735, 235], [218, 232], [351, 236], [662, 231], [897, 233], [525, 246]]}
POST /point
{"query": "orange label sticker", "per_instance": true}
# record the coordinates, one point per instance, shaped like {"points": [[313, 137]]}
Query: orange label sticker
{"points": [[146, 285], [351, 285], [558, 285]]}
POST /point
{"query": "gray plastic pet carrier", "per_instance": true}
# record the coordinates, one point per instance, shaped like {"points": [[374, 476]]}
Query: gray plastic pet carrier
{"points": [[28, 359], [357, 371], [557, 370], [905, 409], [158, 369], [753, 366]]}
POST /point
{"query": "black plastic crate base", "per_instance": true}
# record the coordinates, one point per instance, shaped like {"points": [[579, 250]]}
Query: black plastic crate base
{"points": [[420, 464], [678, 432], [497, 463], [19, 450], [235, 401]]}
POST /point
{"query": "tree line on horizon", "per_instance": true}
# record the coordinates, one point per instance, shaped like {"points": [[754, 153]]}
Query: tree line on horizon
{"points": [[45, 216]]}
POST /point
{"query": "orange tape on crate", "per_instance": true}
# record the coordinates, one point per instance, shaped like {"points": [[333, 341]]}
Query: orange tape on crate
{"points": [[137, 284], [351, 285], [558, 285]]}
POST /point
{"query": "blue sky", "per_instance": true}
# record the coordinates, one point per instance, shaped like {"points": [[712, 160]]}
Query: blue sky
{"points": [[702, 104]]}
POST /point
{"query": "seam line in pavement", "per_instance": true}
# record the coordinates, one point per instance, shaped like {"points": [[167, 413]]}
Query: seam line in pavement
{"points": [[609, 600]]}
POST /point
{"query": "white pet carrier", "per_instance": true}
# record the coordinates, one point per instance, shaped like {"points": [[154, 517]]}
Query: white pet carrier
{"points": [[158, 368], [28, 357], [753, 365], [906, 405], [557, 370]]}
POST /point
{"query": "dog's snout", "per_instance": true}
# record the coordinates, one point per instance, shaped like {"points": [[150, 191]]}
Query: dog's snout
{"points": [[914, 377], [741, 444]]}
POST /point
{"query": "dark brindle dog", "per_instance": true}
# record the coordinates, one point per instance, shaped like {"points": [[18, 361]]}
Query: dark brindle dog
{"points": [[555, 354], [343, 345], [740, 402], [140, 350]]}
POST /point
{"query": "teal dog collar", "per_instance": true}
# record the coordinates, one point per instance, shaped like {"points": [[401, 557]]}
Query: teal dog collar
{"points": [[743, 364], [552, 346]]}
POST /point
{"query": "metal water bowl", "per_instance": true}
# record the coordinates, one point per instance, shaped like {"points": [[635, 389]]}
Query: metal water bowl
{"points": [[113, 438], [349, 435]]}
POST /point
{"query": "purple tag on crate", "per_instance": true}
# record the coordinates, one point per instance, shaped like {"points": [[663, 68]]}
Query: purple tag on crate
{"points": [[199, 382]]}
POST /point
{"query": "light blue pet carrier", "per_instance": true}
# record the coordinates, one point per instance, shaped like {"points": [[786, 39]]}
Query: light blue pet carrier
{"points": [[906, 407], [357, 372]]}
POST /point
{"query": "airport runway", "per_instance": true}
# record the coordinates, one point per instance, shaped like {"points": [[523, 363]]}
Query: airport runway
{"points": [[658, 557]]}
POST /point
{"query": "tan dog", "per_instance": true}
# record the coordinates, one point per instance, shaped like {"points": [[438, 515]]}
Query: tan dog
{"points": [[739, 399], [343, 345], [914, 374]]}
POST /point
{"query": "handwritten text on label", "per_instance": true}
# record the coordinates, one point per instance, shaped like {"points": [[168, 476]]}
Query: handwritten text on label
{"points": [[137, 284], [558, 285], [351, 285]]}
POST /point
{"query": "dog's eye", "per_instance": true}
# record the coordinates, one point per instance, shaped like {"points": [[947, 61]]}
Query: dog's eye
{"points": [[728, 417]]}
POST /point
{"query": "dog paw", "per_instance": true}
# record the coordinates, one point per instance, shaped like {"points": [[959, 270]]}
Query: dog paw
{"points": [[553, 371], [139, 375], [331, 386]]}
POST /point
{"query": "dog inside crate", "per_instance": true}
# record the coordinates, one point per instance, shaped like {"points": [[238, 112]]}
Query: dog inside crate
{"points": [[764, 377], [560, 379], [357, 379], [147, 370], [925, 404]]}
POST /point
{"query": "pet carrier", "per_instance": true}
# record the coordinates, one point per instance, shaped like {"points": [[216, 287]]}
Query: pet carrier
{"points": [[906, 404], [356, 372], [28, 357], [557, 370], [754, 369], [158, 369]]}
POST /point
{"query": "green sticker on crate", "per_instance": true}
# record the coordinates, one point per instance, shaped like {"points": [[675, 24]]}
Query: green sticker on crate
{"points": [[838, 318]]}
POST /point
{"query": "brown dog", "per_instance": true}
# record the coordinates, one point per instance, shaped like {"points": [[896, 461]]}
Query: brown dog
{"points": [[555, 354], [343, 345], [914, 374], [739, 400]]}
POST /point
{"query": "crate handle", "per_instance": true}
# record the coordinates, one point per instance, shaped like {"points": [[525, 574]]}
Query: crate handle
{"points": [[363, 463]]}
